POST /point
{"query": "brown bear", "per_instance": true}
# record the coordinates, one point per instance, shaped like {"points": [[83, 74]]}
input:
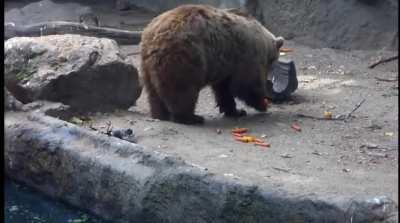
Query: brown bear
{"points": [[191, 46]]}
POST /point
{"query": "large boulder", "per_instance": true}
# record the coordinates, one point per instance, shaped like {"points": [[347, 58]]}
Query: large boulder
{"points": [[86, 73]]}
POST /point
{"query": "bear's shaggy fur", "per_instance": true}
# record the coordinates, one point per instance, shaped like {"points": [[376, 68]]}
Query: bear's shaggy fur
{"points": [[189, 47]]}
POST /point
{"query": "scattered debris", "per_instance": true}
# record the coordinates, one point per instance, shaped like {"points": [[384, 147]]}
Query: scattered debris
{"points": [[240, 130], [263, 144], [223, 156], [238, 134], [219, 131], [13, 208], [316, 118], [386, 80], [383, 155], [372, 146], [328, 115], [151, 120], [231, 175], [162, 146], [92, 127], [389, 134], [343, 117], [248, 139], [125, 134], [76, 120], [383, 60], [109, 128], [286, 155], [346, 170], [374, 127], [312, 67], [358, 105], [148, 129], [198, 166], [296, 127], [317, 153], [281, 169], [285, 50]]}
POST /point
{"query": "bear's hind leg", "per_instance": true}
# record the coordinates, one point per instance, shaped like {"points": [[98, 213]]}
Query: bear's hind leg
{"points": [[182, 106], [158, 109], [225, 100]]}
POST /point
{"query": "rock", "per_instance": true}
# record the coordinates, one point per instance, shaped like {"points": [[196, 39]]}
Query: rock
{"points": [[44, 11], [125, 134], [89, 19], [122, 5], [86, 73], [10, 103]]}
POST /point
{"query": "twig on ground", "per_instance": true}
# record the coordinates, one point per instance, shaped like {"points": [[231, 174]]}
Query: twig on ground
{"points": [[383, 60], [109, 128], [318, 118], [338, 118], [386, 80], [354, 109], [281, 169]]}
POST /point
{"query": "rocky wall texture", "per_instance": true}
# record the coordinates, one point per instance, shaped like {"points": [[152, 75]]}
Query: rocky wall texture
{"points": [[343, 24]]}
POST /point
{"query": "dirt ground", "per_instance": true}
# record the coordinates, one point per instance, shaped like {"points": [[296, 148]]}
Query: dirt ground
{"points": [[354, 158], [327, 158]]}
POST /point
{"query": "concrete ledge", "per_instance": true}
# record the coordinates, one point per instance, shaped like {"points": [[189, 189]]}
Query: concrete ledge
{"points": [[125, 182]]}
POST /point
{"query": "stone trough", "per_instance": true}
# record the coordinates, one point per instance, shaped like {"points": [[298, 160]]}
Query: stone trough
{"points": [[125, 182]]}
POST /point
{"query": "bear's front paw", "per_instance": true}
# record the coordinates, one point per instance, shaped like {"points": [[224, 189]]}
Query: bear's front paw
{"points": [[262, 106]]}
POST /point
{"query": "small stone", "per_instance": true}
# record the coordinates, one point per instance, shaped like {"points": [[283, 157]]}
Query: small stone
{"points": [[328, 115], [117, 133], [312, 67], [286, 155], [76, 120], [317, 153], [346, 170], [389, 133], [13, 208], [148, 129], [223, 156]]}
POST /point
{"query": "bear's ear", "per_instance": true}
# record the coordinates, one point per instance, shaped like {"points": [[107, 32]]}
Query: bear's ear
{"points": [[279, 42]]}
